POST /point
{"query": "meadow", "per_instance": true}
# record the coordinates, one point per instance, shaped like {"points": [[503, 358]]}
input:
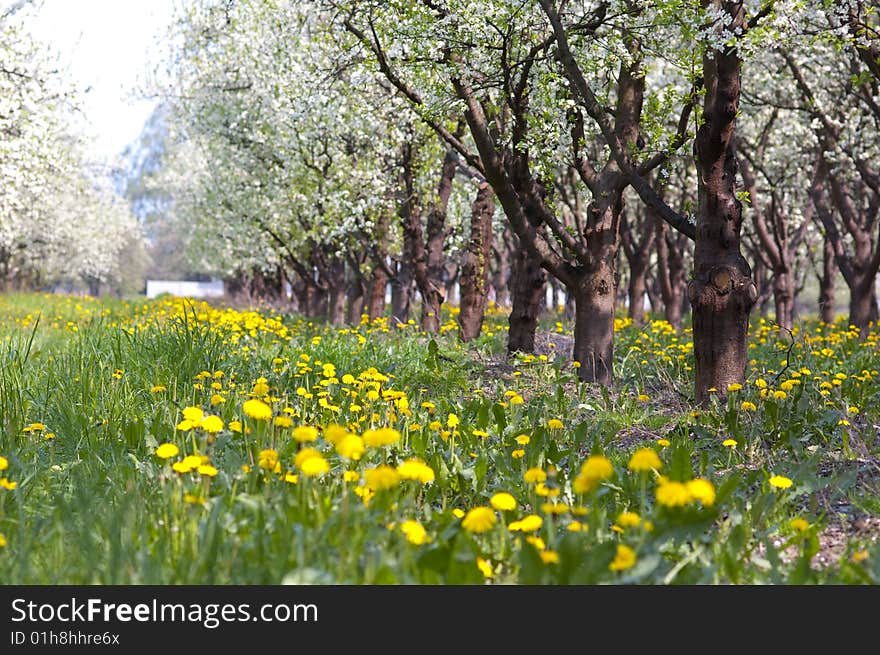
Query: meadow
{"points": [[172, 442]]}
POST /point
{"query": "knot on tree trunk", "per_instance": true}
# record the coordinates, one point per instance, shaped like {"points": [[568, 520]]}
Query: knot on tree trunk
{"points": [[721, 285]]}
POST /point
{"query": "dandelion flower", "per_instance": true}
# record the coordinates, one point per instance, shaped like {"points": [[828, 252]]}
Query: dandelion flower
{"points": [[673, 494], [415, 532], [235, 426], [305, 454], [799, 525], [530, 523], [350, 447], [414, 469], [780, 482], [6, 483], [193, 414], [267, 459], [555, 424], [729, 443], [593, 471], [212, 424], [549, 557], [485, 567], [382, 477], [257, 410], [644, 459], [313, 466], [303, 433], [207, 470], [624, 559], [479, 519], [702, 490], [381, 437], [628, 520], [503, 502], [165, 451], [334, 433], [748, 406], [534, 475]]}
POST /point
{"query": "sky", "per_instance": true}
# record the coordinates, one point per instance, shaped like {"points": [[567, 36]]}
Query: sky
{"points": [[108, 47]]}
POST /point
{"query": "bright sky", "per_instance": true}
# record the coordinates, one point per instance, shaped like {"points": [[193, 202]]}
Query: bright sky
{"points": [[109, 47]]}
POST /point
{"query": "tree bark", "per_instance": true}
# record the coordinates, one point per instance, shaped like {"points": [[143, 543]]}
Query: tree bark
{"points": [[355, 299], [336, 293], [529, 285], [594, 324], [474, 278], [722, 293], [378, 286], [783, 297], [402, 292], [826, 283], [671, 273], [501, 273]]}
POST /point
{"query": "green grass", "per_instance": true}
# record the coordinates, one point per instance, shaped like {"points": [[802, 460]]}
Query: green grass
{"points": [[95, 504]]}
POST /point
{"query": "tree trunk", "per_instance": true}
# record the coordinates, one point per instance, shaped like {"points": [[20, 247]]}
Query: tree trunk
{"points": [[671, 276], [336, 293], [529, 284], [356, 295], [501, 272], [378, 285], [594, 323], [474, 279], [862, 304], [94, 285], [636, 290], [401, 293], [722, 293], [783, 297], [826, 283]]}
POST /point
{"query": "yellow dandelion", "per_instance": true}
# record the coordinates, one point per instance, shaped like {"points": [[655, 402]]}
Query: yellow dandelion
{"points": [[534, 475], [350, 447], [314, 466], [414, 469], [303, 433], [381, 477], [479, 519], [212, 424], [624, 558], [673, 494], [503, 502], [702, 490], [549, 557], [415, 532], [530, 523], [257, 410], [165, 451], [780, 482], [381, 437], [645, 459]]}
